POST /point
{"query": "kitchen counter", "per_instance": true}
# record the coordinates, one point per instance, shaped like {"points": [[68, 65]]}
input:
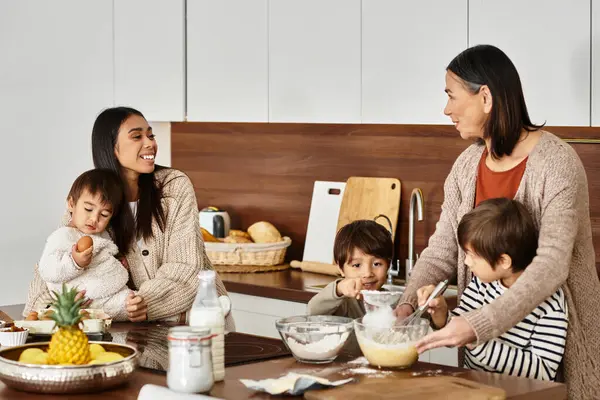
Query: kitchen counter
{"points": [[289, 285], [251, 357]]}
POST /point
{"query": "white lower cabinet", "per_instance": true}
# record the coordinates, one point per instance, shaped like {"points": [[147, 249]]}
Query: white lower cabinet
{"points": [[443, 356], [257, 315]]}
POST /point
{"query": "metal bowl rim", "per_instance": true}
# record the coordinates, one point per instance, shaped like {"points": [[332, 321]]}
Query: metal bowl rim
{"points": [[67, 367]]}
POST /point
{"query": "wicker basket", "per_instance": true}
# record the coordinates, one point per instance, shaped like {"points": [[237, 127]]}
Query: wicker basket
{"points": [[247, 253]]}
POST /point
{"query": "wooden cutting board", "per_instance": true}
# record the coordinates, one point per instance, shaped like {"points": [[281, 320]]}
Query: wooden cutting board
{"points": [[436, 387], [366, 198]]}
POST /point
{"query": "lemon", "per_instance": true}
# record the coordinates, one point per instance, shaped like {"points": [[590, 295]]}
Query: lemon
{"points": [[94, 362], [96, 349], [29, 355], [41, 359], [108, 356]]}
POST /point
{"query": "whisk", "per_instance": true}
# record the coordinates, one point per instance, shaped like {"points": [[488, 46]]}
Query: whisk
{"points": [[439, 289]]}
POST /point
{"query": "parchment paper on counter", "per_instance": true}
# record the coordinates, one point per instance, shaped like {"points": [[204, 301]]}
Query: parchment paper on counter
{"points": [[292, 384]]}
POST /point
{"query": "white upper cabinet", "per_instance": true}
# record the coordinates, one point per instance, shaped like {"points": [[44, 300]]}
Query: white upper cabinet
{"points": [[406, 46], [227, 60], [596, 65], [149, 41], [549, 43], [314, 61]]}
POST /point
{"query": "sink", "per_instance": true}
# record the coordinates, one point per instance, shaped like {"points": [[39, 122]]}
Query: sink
{"points": [[394, 288]]}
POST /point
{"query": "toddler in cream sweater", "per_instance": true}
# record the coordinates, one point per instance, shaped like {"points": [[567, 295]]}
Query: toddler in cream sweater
{"points": [[95, 197]]}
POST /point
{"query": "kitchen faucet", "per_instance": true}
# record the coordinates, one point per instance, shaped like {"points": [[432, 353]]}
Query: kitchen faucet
{"points": [[416, 199]]}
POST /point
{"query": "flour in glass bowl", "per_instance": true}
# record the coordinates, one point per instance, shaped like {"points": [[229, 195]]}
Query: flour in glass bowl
{"points": [[327, 347]]}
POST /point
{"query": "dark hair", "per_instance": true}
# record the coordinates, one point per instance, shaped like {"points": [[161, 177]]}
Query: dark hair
{"points": [[488, 65], [104, 138], [109, 186], [500, 226], [368, 236]]}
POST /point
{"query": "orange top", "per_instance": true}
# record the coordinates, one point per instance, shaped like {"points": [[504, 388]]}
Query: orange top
{"points": [[491, 184]]}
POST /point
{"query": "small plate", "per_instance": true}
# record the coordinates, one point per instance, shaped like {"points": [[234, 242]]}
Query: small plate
{"points": [[48, 327]]}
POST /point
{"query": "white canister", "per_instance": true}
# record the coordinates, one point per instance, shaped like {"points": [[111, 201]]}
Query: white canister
{"points": [[190, 360], [212, 318]]}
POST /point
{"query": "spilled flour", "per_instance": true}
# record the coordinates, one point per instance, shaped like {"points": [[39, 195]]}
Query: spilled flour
{"points": [[360, 366], [370, 372], [359, 361]]}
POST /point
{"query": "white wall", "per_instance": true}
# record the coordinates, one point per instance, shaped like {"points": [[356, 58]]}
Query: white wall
{"points": [[53, 83]]}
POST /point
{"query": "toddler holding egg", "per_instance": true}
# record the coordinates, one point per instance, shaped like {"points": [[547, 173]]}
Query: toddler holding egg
{"points": [[500, 240], [363, 251], [82, 254]]}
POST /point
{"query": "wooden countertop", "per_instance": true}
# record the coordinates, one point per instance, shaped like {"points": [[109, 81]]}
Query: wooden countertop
{"points": [[150, 334], [290, 285]]}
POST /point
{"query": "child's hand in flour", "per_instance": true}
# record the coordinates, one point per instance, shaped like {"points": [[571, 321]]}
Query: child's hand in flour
{"points": [[83, 258], [349, 287], [438, 308]]}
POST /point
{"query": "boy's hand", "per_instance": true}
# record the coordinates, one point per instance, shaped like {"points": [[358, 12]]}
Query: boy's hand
{"points": [[84, 258], [438, 308], [349, 287]]}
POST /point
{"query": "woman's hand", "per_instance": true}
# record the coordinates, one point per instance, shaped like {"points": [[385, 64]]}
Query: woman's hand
{"points": [[438, 308], [403, 311], [80, 295], [137, 309], [457, 333]]}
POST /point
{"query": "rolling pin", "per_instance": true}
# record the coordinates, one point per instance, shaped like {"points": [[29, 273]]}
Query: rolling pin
{"points": [[318, 267]]}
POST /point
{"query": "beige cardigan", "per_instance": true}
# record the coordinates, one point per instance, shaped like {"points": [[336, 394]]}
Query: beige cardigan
{"points": [[554, 189], [165, 272]]}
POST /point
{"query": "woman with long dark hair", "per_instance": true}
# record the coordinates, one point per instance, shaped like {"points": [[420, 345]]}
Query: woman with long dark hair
{"points": [[162, 219], [516, 159]]}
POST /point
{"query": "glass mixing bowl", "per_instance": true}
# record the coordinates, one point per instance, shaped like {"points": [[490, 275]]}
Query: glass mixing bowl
{"points": [[315, 339], [390, 347]]}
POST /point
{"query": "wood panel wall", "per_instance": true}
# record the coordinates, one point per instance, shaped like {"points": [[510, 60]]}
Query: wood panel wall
{"points": [[265, 171]]}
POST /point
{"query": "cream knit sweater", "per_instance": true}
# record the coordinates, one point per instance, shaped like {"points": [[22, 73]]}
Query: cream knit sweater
{"points": [[554, 189], [165, 270], [104, 280]]}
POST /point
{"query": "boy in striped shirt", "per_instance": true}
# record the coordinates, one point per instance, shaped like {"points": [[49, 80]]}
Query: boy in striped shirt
{"points": [[500, 241]]}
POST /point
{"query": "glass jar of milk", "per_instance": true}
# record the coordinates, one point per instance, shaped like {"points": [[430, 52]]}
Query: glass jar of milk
{"points": [[207, 313]]}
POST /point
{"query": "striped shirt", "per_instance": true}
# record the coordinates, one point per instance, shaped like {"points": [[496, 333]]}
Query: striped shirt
{"points": [[532, 349]]}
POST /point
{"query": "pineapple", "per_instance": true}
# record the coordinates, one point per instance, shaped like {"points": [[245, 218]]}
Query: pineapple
{"points": [[69, 345]]}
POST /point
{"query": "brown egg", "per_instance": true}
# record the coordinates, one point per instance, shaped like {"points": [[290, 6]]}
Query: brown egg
{"points": [[33, 316], [84, 243]]}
